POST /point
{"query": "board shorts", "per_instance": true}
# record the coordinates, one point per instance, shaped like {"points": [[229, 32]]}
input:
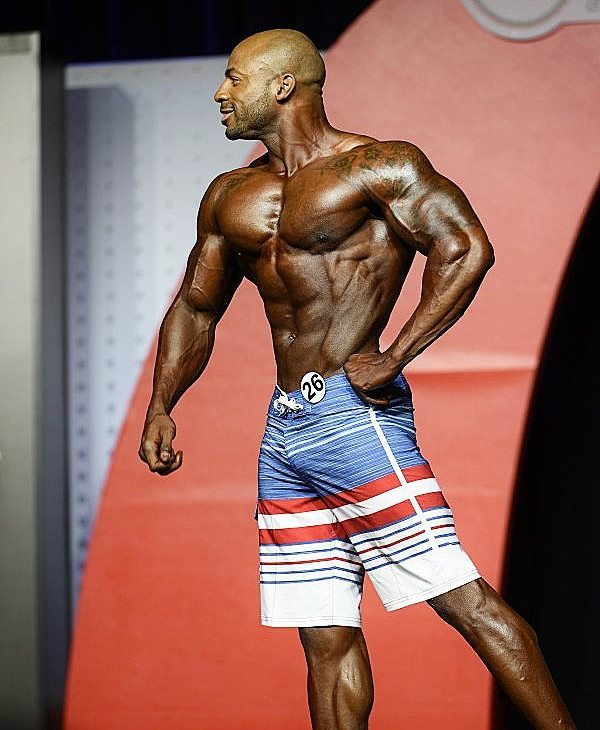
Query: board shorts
{"points": [[342, 490]]}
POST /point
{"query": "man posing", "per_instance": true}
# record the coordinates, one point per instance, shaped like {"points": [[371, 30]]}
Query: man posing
{"points": [[326, 224]]}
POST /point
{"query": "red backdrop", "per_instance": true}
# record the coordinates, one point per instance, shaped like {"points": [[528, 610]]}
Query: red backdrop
{"points": [[167, 632]]}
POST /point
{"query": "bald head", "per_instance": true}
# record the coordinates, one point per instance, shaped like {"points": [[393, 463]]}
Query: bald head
{"points": [[283, 51], [269, 76]]}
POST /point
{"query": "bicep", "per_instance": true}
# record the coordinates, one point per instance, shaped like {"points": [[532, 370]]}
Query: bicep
{"points": [[211, 275]]}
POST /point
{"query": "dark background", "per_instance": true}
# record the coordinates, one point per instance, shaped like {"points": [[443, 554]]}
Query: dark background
{"points": [[119, 30], [552, 566]]}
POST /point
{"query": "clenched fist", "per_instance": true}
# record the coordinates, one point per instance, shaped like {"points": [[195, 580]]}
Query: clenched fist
{"points": [[156, 447]]}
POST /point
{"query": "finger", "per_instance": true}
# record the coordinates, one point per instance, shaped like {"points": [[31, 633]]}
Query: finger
{"points": [[149, 453], [154, 461], [173, 466], [156, 465], [372, 399], [379, 396], [381, 402], [367, 382], [166, 449], [352, 368], [159, 468], [177, 461], [166, 455]]}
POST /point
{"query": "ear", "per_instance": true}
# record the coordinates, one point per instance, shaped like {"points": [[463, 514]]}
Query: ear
{"points": [[286, 84]]}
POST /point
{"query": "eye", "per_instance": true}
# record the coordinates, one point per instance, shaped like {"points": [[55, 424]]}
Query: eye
{"points": [[235, 80]]}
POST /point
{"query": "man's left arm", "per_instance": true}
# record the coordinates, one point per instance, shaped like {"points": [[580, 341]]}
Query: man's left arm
{"points": [[431, 214]]}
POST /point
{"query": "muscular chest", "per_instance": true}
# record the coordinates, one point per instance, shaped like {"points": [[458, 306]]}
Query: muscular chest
{"points": [[313, 210]]}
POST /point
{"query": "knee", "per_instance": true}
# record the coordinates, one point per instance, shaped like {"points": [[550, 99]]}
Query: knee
{"points": [[466, 607], [476, 608], [326, 644]]}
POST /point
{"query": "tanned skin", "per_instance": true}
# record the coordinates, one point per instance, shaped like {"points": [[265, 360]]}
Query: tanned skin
{"points": [[326, 225]]}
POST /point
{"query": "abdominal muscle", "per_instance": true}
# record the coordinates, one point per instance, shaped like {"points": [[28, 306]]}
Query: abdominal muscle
{"points": [[320, 335], [325, 306], [312, 353]]}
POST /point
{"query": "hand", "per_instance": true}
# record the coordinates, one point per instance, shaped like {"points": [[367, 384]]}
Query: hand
{"points": [[370, 374], [156, 446]]}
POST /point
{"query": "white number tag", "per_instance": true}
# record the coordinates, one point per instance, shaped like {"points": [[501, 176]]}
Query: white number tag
{"points": [[312, 387]]}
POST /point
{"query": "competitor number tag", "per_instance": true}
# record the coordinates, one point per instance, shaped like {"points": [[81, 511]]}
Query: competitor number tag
{"points": [[312, 387]]}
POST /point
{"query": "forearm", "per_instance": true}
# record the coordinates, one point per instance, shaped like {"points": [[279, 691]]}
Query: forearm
{"points": [[184, 347], [452, 276]]}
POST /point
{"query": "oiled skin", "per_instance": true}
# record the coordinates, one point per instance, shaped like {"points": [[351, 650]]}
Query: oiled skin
{"points": [[328, 248], [326, 225], [326, 264]]}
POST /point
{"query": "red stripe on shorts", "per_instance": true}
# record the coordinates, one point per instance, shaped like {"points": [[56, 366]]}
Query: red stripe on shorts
{"points": [[432, 499], [416, 472], [379, 519], [310, 533], [347, 496], [314, 560], [290, 506]]}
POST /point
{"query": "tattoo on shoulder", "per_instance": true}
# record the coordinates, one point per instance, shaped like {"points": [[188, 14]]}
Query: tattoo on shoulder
{"points": [[232, 181], [384, 163], [343, 164]]}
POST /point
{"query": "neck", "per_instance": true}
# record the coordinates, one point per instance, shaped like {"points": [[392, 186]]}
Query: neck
{"points": [[302, 134]]}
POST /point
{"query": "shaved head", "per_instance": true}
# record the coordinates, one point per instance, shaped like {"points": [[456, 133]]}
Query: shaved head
{"points": [[269, 74], [283, 51]]}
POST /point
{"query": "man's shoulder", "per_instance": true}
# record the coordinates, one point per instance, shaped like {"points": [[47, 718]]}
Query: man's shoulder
{"points": [[389, 158], [379, 169], [390, 154], [387, 169], [230, 178], [223, 182]]}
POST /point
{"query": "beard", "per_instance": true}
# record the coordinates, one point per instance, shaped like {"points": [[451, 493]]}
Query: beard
{"points": [[248, 122]]}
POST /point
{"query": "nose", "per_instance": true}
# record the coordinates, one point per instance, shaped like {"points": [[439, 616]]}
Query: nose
{"points": [[220, 94]]}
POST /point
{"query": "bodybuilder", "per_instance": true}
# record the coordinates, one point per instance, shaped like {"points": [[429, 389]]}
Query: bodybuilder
{"points": [[326, 225]]}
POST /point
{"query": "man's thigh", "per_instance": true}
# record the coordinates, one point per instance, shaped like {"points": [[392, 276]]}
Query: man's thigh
{"points": [[310, 573], [369, 471]]}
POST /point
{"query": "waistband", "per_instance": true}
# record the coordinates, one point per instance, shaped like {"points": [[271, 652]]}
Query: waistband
{"points": [[339, 394]]}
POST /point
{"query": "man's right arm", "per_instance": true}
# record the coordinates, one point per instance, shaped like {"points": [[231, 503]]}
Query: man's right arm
{"points": [[186, 334]]}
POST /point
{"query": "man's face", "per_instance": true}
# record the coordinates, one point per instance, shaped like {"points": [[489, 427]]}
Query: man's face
{"points": [[245, 97]]}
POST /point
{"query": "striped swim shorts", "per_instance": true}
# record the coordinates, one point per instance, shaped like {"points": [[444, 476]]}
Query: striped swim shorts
{"points": [[343, 489]]}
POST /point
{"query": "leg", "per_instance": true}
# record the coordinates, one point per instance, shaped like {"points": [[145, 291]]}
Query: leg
{"points": [[340, 684], [508, 646]]}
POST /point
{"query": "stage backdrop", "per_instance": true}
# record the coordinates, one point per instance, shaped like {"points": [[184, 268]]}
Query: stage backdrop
{"points": [[143, 142], [167, 631]]}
